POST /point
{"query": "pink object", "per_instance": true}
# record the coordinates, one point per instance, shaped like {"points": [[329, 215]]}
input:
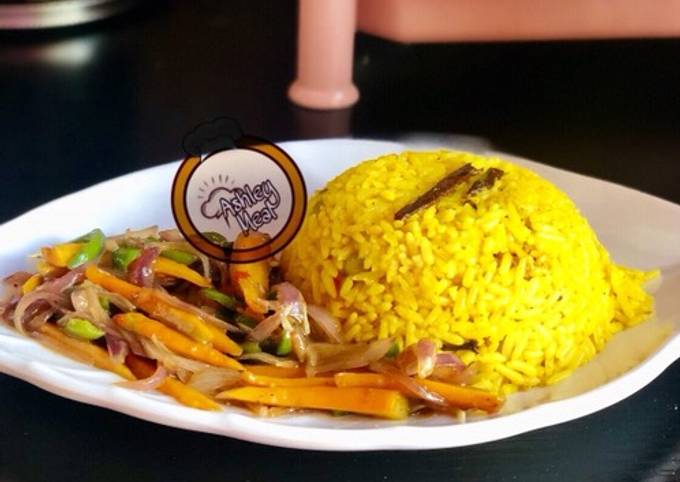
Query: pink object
{"points": [[325, 52], [326, 31], [488, 20]]}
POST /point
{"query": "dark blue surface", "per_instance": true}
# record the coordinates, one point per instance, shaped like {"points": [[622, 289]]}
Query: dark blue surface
{"points": [[80, 106]]}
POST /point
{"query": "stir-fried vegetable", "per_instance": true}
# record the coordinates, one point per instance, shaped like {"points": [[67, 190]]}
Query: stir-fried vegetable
{"points": [[267, 381], [251, 279], [123, 256], [133, 304], [457, 396], [60, 254], [31, 283], [91, 247], [182, 393], [367, 401], [80, 328], [179, 256], [172, 268], [219, 297], [144, 326], [81, 350]]}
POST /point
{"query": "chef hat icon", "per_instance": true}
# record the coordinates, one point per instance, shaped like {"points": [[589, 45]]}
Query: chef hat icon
{"points": [[212, 136]]}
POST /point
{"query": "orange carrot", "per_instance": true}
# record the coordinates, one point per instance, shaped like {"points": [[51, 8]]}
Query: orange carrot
{"points": [[186, 322], [265, 381], [178, 270], [111, 282], [458, 396], [251, 279], [174, 341], [367, 401], [186, 395], [274, 371], [146, 300], [82, 351]]}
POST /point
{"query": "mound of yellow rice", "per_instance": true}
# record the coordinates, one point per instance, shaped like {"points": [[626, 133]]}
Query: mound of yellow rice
{"points": [[513, 279]]}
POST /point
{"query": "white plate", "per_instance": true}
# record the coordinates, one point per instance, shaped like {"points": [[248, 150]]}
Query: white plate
{"points": [[638, 229]]}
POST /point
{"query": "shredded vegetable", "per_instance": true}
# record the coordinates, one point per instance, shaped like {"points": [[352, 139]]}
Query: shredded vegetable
{"points": [[148, 307]]}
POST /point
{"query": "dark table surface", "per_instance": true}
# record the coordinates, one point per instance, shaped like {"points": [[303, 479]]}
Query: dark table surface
{"points": [[78, 106]]}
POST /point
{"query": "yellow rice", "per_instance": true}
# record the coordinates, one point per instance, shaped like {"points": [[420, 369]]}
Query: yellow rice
{"points": [[515, 281]]}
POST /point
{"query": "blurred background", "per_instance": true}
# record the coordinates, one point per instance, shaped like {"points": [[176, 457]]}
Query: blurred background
{"points": [[83, 104]]}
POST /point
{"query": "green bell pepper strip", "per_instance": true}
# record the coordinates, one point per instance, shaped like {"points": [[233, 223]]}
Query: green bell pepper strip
{"points": [[285, 345], [219, 297], [245, 320], [251, 347], [179, 256], [83, 329], [123, 256], [393, 351], [93, 245], [216, 238]]}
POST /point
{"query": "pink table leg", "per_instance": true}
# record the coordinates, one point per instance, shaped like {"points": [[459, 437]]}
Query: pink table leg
{"points": [[325, 55]]}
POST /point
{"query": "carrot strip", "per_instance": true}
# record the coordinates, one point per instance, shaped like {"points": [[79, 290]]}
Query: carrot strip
{"points": [[367, 401], [111, 282], [82, 351], [146, 300], [251, 279], [223, 343], [184, 394], [274, 371], [174, 341], [178, 270], [186, 322], [60, 254], [460, 397], [265, 381]]}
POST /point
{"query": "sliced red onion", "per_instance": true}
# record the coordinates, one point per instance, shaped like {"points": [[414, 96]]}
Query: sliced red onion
{"points": [[36, 322], [454, 375], [149, 383], [290, 308], [175, 363], [300, 343], [448, 359], [269, 359], [326, 322], [140, 271], [133, 343], [409, 384], [418, 359], [266, 327], [330, 357], [286, 293], [64, 282], [46, 300], [117, 347], [15, 280], [119, 301], [85, 299], [69, 315], [7, 306], [212, 379]]}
